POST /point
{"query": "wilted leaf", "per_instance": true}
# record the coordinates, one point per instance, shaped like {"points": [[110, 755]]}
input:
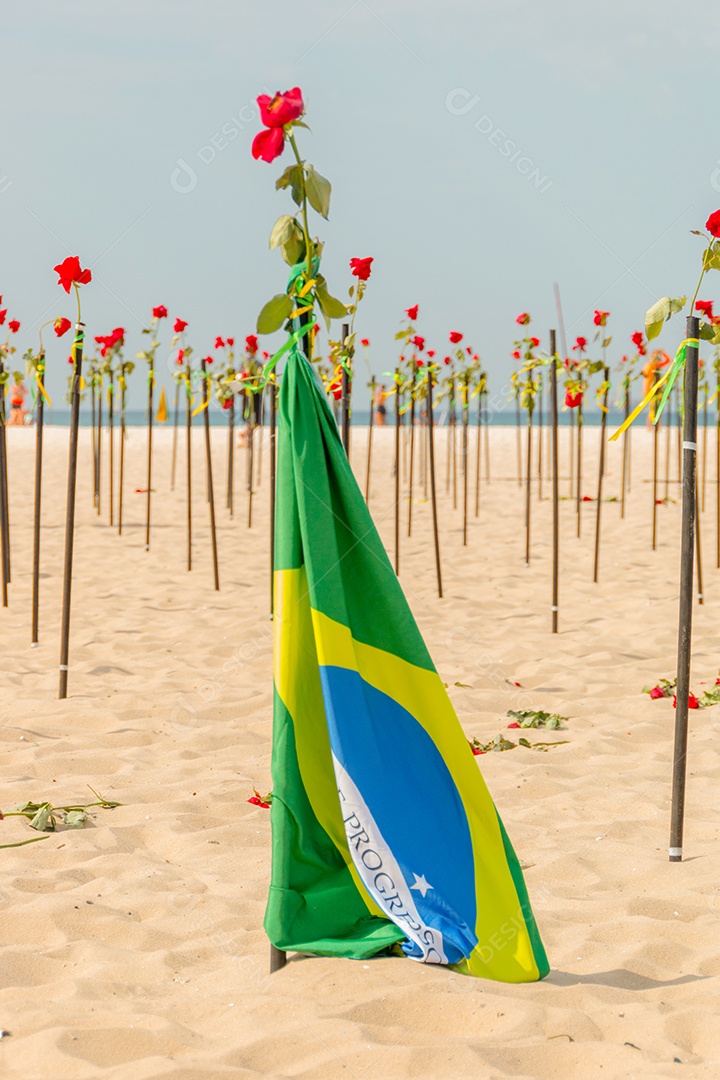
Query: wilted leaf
{"points": [[274, 314], [292, 178], [43, 820], [75, 819], [655, 317]]}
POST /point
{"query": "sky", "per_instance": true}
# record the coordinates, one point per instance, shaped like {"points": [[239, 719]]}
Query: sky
{"points": [[479, 151]]}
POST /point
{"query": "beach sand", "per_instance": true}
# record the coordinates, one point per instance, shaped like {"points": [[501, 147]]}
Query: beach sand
{"points": [[134, 948]]}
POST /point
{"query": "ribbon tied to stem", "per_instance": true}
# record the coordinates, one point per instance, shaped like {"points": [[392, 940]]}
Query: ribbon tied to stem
{"points": [[665, 383]]}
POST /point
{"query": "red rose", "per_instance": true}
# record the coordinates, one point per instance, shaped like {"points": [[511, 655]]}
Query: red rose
{"points": [[361, 268], [268, 144], [412, 312], [455, 337], [219, 343], [69, 273], [431, 353], [656, 693], [534, 341], [514, 724], [208, 359], [601, 317], [251, 344], [3, 313], [637, 338], [160, 312], [365, 341], [257, 801], [180, 357], [179, 326], [713, 223], [13, 326], [118, 336], [420, 363], [580, 343], [227, 403], [523, 318], [516, 355], [573, 399], [282, 109], [447, 360], [418, 342], [230, 341], [693, 702], [61, 326], [706, 307]]}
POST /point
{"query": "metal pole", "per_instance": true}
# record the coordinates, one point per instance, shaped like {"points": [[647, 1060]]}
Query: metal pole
{"points": [[689, 473], [70, 510]]}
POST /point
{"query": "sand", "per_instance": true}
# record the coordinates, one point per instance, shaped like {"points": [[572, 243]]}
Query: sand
{"points": [[134, 948]]}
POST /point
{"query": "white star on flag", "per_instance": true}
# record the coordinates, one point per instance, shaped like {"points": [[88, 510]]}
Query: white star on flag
{"points": [[421, 885]]}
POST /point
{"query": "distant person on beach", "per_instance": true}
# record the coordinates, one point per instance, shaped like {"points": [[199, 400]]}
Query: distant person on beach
{"points": [[381, 411], [18, 393]]}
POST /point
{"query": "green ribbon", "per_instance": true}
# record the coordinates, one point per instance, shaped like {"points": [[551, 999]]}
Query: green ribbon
{"points": [[291, 343], [677, 367]]}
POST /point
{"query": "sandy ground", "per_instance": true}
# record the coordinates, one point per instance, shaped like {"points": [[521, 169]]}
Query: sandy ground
{"points": [[134, 948]]}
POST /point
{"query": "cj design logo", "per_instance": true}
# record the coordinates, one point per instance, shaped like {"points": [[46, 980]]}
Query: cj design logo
{"points": [[184, 177], [715, 176], [460, 102]]}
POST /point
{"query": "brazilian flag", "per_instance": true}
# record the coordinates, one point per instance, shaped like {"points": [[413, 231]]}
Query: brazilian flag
{"points": [[384, 834]]}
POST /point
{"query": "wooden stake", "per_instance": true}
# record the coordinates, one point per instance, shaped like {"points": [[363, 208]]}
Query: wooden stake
{"points": [[345, 392], [478, 444], [397, 471], [412, 451], [433, 485], [188, 460], [176, 421], [625, 454], [151, 387], [528, 471], [121, 380], [601, 473], [250, 452], [273, 472], [38, 500], [555, 482], [70, 510], [209, 471], [656, 440], [370, 435], [689, 511], [231, 457], [111, 436], [579, 467], [4, 498]]}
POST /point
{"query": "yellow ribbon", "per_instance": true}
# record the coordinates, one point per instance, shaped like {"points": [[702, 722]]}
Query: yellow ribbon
{"points": [[200, 408], [652, 392], [300, 311], [42, 390]]}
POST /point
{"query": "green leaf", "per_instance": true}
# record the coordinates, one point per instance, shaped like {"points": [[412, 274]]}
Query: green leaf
{"points": [[293, 251], [318, 189], [711, 257], [75, 819], [43, 820], [282, 230], [329, 305], [274, 314], [656, 316], [292, 178]]}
